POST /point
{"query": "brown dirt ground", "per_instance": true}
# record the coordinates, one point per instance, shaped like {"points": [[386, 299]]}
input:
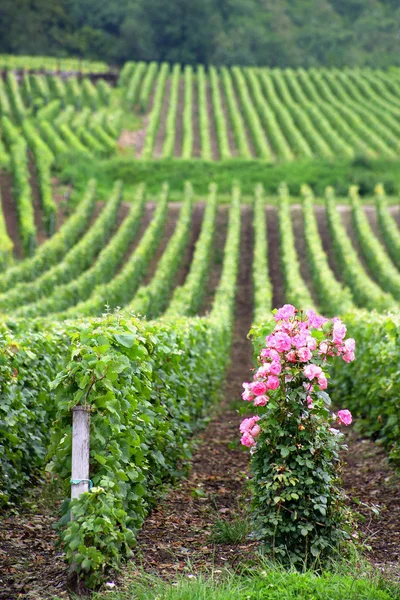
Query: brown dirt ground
{"points": [[197, 219], [301, 249], [140, 134], [229, 128], [368, 477], [249, 137], [179, 119], [41, 233], [211, 124], [146, 219], [176, 536], [345, 213], [216, 262], [160, 136], [274, 260], [195, 121], [172, 218], [323, 228], [10, 212]]}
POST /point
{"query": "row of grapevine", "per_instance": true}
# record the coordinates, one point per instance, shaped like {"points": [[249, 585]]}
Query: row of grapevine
{"points": [[187, 298], [296, 289], [388, 225], [121, 289], [155, 114], [333, 298], [6, 244], [172, 116], [151, 300], [261, 281], [101, 272], [378, 261], [48, 63], [365, 292], [53, 250], [17, 149], [79, 258]]}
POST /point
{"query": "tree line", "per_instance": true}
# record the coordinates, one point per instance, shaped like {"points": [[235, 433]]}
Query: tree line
{"points": [[276, 33]]}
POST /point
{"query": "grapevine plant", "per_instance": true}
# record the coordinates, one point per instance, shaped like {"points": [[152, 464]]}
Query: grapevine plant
{"points": [[298, 503]]}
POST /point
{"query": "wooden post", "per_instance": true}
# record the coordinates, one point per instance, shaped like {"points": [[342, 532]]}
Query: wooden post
{"points": [[80, 451]]}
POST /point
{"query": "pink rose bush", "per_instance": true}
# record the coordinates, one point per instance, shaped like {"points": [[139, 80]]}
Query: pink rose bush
{"points": [[298, 503], [291, 344]]}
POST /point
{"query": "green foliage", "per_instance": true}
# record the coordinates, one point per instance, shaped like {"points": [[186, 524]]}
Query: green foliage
{"points": [[186, 299], [319, 174], [151, 300], [28, 362], [387, 225], [265, 582], [333, 299], [366, 293], [6, 244], [261, 282], [370, 385], [79, 258], [101, 272], [52, 251], [234, 531], [296, 289], [378, 261]]}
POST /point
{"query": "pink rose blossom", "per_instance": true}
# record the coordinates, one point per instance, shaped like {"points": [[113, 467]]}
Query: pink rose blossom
{"points": [[260, 400], [286, 312], [299, 340], [348, 356], [304, 354], [275, 368], [344, 416], [311, 343], [248, 424], [258, 388], [272, 382], [350, 345], [264, 370], [309, 402], [314, 320], [247, 396], [338, 331], [322, 381], [247, 440], [291, 356], [311, 371], [282, 342], [275, 355], [323, 348], [255, 431]]}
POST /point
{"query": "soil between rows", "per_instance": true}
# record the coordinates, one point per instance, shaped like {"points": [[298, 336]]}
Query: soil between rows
{"points": [[176, 536]]}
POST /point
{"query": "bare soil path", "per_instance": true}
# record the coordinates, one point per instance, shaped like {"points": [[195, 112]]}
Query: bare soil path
{"points": [[274, 258], [160, 136], [211, 124], [229, 128], [301, 249], [179, 118], [195, 120], [177, 536], [10, 212], [41, 233]]}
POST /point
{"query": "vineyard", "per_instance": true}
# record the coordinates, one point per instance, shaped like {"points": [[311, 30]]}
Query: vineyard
{"points": [[137, 306]]}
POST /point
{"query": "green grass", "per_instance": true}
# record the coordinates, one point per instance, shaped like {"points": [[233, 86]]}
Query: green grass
{"points": [[265, 583], [317, 173], [230, 532]]}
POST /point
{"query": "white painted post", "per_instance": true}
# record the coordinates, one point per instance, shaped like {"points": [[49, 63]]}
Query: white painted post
{"points": [[80, 451]]}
